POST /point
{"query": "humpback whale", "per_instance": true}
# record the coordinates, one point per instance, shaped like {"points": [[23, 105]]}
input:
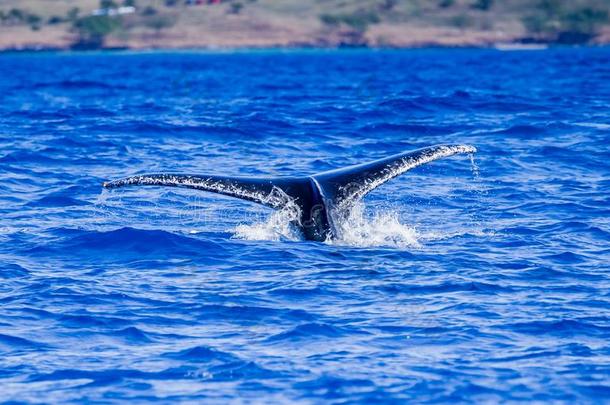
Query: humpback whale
{"points": [[317, 199]]}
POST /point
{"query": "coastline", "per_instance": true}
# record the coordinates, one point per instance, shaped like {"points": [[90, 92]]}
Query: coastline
{"points": [[57, 39], [267, 25], [501, 47]]}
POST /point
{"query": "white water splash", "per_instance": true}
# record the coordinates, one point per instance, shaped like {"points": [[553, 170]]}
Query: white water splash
{"points": [[356, 228], [474, 167], [280, 226]]}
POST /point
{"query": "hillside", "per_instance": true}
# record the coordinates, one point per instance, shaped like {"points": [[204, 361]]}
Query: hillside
{"points": [[141, 24]]}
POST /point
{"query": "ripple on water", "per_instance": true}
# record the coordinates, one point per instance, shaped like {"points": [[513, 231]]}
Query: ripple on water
{"points": [[459, 281]]}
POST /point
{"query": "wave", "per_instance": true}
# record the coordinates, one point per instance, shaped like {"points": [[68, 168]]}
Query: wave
{"points": [[148, 128], [108, 376], [57, 201], [76, 84], [422, 103], [521, 130], [209, 312], [308, 331], [403, 128], [12, 270], [19, 157], [132, 334], [344, 385], [15, 342], [201, 354], [563, 327], [446, 287], [130, 242]]}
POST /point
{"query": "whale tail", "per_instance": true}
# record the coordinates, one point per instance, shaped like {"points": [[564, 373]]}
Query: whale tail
{"points": [[315, 195]]}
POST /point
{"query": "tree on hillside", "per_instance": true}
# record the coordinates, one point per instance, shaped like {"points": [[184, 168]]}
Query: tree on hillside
{"points": [[160, 22], [358, 21], [235, 8], [17, 16], [108, 4], [72, 14], [351, 27], [554, 20], [483, 4], [92, 30]]}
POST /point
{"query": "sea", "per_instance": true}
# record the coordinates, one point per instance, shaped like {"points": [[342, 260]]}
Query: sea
{"points": [[474, 278]]}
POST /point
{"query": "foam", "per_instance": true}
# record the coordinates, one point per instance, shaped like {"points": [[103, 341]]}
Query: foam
{"points": [[383, 228], [280, 225], [354, 228]]}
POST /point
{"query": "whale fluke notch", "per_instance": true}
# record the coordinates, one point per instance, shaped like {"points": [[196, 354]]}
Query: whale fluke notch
{"points": [[316, 195]]}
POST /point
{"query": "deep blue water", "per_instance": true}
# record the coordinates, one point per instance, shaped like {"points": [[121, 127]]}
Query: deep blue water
{"points": [[485, 281]]}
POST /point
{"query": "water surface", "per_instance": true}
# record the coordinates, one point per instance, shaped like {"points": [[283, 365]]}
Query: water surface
{"points": [[458, 281]]}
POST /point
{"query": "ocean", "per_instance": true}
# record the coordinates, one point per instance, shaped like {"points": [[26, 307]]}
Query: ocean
{"points": [[472, 278]]}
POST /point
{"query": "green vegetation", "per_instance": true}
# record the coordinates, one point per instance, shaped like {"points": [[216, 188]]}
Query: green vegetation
{"points": [[92, 30], [148, 11], [33, 21], [586, 20], [483, 4], [302, 22], [358, 21], [108, 4], [17, 16], [159, 22], [388, 5], [72, 14], [559, 21], [461, 21], [55, 19], [351, 27], [235, 7]]}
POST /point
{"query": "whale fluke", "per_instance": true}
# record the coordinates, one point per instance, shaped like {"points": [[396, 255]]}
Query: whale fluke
{"points": [[316, 196], [354, 182], [258, 190]]}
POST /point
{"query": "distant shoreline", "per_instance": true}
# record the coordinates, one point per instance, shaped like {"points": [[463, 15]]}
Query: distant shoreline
{"points": [[229, 49], [231, 25]]}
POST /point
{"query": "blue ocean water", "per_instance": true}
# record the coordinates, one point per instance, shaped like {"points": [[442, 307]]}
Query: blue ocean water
{"points": [[484, 279]]}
